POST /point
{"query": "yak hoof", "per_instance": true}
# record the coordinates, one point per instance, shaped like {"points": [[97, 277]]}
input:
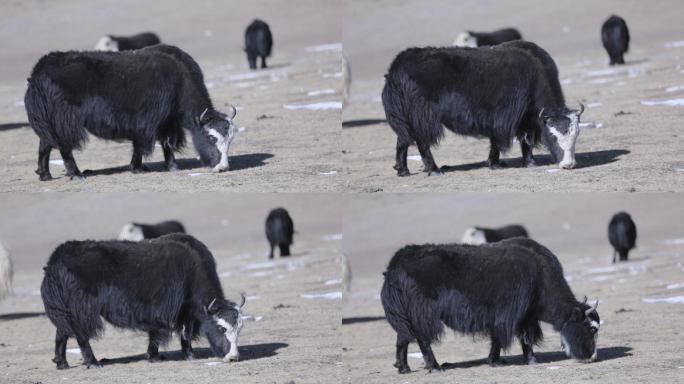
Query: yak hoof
{"points": [[95, 364], [190, 356], [404, 369], [172, 168], [140, 169], [498, 362], [436, 370], [44, 176], [531, 360], [435, 172], [403, 172], [530, 164], [498, 165], [77, 178], [61, 364]]}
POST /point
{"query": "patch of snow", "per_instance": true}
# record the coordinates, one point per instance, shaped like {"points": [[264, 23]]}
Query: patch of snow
{"points": [[321, 92], [668, 300], [326, 296], [325, 47], [316, 106], [672, 102]]}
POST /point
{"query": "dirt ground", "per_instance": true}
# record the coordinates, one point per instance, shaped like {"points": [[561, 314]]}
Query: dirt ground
{"points": [[624, 144], [638, 341], [286, 338], [266, 155]]}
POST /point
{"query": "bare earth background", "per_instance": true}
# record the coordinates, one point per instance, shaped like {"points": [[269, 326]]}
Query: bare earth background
{"points": [[277, 149], [638, 341], [626, 146], [288, 338]]}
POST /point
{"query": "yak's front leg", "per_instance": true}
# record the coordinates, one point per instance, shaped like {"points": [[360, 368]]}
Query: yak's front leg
{"points": [[88, 357], [495, 359], [402, 354], [402, 154], [136, 160], [527, 158], [169, 158], [70, 164], [186, 341], [60, 351], [153, 347], [429, 164], [494, 153], [429, 357], [43, 170]]}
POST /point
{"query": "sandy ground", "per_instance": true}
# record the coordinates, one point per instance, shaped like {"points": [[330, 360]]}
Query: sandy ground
{"points": [[267, 153], [288, 339], [638, 341], [624, 145]]}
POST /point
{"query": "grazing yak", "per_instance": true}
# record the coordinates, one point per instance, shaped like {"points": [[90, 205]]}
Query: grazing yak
{"points": [[500, 290], [144, 96], [137, 231], [279, 231], [6, 273], [127, 43], [622, 234], [258, 43], [501, 93], [615, 38], [483, 39], [479, 235], [155, 286]]}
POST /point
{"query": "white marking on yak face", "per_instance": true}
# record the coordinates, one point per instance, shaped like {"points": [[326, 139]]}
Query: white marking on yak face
{"points": [[465, 39], [131, 232], [107, 44], [231, 333], [473, 236], [566, 141]]}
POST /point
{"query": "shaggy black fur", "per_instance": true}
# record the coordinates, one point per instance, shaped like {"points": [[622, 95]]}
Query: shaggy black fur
{"points": [[143, 96], [496, 37], [141, 40], [615, 38], [501, 290], [157, 286], [152, 231], [492, 235], [258, 43], [494, 92], [622, 234], [279, 231]]}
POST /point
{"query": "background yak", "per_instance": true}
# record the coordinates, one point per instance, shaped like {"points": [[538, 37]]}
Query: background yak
{"points": [[481, 39], [279, 231], [127, 43], [500, 290], [258, 43], [615, 39], [622, 234], [71, 94], [503, 92], [137, 231], [480, 235], [156, 286]]}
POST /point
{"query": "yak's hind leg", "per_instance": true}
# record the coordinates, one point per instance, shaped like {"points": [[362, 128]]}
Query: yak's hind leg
{"points": [[429, 165], [495, 359], [402, 353], [494, 153], [70, 164], [169, 158], [60, 351], [530, 335], [429, 357], [136, 160], [527, 158], [263, 62], [402, 154], [43, 170], [87, 352]]}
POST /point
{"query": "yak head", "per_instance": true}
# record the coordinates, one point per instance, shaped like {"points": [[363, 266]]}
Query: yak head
{"points": [[106, 43], [465, 39], [580, 333], [222, 328], [212, 139], [559, 134], [131, 232], [474, 236]]}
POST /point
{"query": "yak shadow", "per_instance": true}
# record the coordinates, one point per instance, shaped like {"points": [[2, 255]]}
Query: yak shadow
{"points": [[584, 160], [237, 162], [20, 315], [8, 126], [362, 122], [247, 352], [604, 354], [361, 319]]}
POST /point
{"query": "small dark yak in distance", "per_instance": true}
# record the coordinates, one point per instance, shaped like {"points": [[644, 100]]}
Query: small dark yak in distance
{"points": [[615, 38], [127, 43], [144, 96], [138, 231], [483, 39], [500, 290], [501, 93], [480, 235], [622, 234], [155, 286], [258, 43], [279, 231]]}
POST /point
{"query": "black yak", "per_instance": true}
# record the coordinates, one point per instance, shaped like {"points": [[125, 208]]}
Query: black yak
{"points": [[479, 235], [127, 43], [482, 39], [138, 231], [155, 286], [500, 290], [622, 234], [501, 93], [615, 38], [144, 96], [279, 231], [258, 43]]}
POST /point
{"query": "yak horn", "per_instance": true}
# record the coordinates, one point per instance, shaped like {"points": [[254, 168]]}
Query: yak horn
{"points": [[581, 108], [541, 113], [232, 112], [242, 300], [592, 309], [201, 118], [211, 304]]}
